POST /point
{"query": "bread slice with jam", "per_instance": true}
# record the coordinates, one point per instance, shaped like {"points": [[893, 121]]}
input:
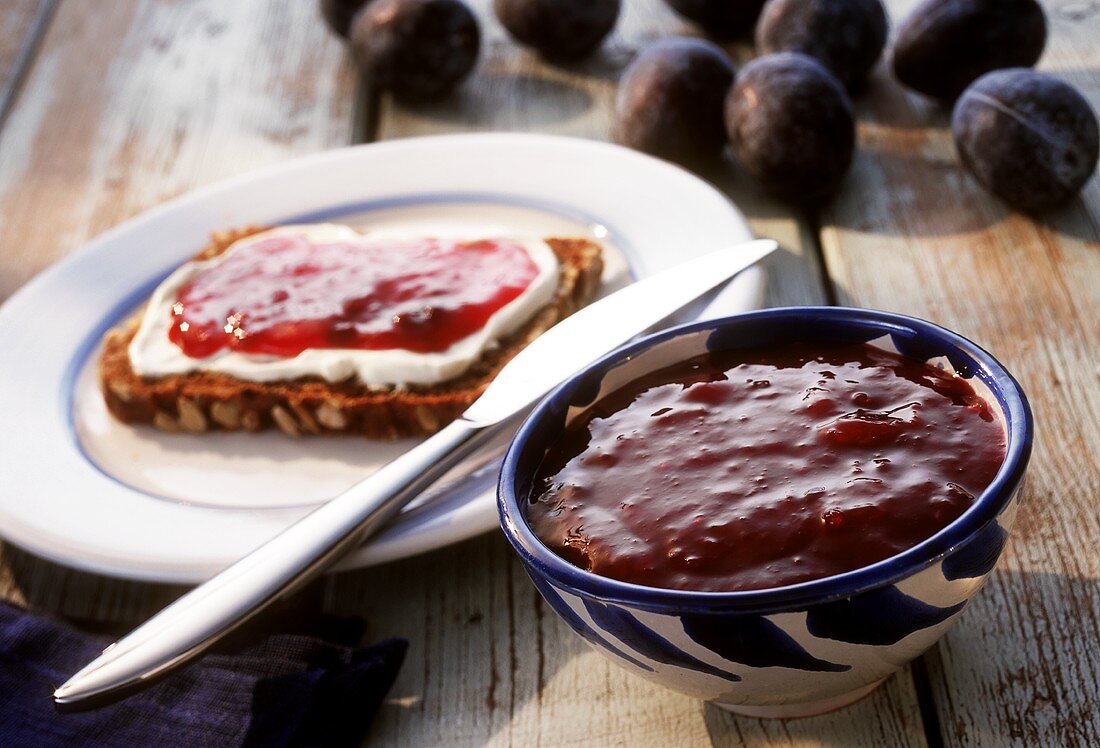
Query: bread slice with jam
{"points": [[202, 401]]}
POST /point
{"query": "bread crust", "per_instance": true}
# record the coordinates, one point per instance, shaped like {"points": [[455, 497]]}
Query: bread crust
{"points": [[211, 401]]}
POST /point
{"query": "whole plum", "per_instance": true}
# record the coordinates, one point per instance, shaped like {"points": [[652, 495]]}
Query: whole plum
{"points": [[1028, 138], [416, 49], [670, 101], [945, 45], [722, 18], [338, 14], [559, 30], [846, 36], [791, 125]]}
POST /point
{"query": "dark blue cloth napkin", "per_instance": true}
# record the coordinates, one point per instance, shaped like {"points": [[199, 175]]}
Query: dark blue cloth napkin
{"points": [[274, 689]]}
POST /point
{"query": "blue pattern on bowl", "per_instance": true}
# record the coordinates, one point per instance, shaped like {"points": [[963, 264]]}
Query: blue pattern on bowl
{"points": [[879, 616], [753, 640], [619, 622], [751, 650], [978, 557]]}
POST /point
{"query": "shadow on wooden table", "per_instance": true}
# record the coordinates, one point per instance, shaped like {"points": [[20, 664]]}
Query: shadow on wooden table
{"points": [[114, 607], [907, 180], [43, 585], [1012, 648], [873, 714], [895, 190], [502, 90], [489, 659]]}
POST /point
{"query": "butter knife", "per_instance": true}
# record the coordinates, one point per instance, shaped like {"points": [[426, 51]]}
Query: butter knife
{"points": [[190, 625]]}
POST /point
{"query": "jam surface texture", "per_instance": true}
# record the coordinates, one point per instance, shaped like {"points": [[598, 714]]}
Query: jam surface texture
{"points": [[284, 294], [756, 469]]}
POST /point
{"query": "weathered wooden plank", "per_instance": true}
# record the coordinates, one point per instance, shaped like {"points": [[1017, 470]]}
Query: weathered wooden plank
{"points": [[130, 103], [912, 233], [29, 580], [489, 663], [22, 23]]}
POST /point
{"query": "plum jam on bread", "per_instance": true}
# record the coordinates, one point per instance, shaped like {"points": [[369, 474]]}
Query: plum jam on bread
{"points": [[320, 329]]}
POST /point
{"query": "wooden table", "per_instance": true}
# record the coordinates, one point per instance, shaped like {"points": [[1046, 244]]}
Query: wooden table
{"points": [[108, 108]]}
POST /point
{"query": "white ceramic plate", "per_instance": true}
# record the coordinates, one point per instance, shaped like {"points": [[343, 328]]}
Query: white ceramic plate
{"points": [[84, 490]]}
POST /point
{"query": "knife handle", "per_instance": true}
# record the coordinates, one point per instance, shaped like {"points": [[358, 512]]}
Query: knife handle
{"points": [[278, 567]]}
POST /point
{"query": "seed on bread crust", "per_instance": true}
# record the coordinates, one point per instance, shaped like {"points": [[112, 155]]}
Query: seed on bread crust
{"points": [[121, 390], [305, 418], [191, 416], [331, 417], [251, 421], [165, 422], [285, 421], [227, 414], [428, 418]]}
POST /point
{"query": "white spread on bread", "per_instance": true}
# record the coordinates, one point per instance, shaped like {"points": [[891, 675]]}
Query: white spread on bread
{"points": [[152, 354]]}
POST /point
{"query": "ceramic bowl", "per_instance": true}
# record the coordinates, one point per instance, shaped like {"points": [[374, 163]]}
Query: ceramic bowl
{"points": [[788, 651]]}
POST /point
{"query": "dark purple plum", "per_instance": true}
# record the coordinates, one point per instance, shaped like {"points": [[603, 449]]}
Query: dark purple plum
{"points": [[338, 14], [559, 30], [1028, 138], [790, 123], [721, 18], [945, 45], [670, 101], [846, 36], [416, 49]]}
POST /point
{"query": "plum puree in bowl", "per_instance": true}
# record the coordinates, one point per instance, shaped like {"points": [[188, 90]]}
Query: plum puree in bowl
{"points": [[750, 469]]}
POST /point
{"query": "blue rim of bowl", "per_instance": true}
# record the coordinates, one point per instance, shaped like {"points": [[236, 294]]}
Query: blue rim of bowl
{"points": [[987, 507]]}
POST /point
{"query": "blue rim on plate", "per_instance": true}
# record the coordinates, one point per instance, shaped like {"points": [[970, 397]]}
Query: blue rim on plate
{"points": [[80, 518], [913, 337]]}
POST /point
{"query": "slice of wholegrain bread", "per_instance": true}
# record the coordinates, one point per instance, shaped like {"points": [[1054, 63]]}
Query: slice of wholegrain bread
{"points": [[205, 401]]}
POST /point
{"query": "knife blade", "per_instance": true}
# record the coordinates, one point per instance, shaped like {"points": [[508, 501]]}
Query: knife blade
{"points": [[190, 625]]}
